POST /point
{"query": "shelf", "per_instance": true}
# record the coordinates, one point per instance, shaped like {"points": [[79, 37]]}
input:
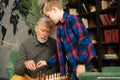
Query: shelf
{"points": [[72, 4], [108, 10], [104, 43], [91, 28], [85, 15], [109, 26], [110, 62], [110, 59], [112, 56]]}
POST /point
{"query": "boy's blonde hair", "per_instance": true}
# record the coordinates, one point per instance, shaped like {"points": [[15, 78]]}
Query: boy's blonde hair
{"points": [[48, 4]]}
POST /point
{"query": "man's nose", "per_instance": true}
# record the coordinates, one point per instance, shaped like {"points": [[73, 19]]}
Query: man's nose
{"points": [[45, 34]]}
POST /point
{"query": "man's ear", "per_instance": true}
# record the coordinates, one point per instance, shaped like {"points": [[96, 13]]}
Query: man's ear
{"points": [[35, 28]]}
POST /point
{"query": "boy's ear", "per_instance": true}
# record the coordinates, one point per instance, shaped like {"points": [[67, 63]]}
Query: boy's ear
{"points": [[54, 8]]}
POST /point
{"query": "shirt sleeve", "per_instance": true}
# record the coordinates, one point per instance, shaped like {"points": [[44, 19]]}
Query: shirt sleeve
{"points": [[52, 60]]}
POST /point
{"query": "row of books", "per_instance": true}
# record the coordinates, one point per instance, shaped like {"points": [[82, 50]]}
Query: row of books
{"points": [[90, 7], [86, 8], [111, 52], [110, 56], [107, 19], [111, 35], [108, 4]]}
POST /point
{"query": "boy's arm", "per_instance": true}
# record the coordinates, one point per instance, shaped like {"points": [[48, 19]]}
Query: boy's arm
{"points": [[50, 61]]}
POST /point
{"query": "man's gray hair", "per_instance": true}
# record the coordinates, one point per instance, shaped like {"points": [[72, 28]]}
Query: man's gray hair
{"points": [[44, 22]]}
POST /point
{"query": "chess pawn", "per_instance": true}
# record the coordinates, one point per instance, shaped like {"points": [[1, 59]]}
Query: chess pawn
{"points": [[67, 76], [62, 78], [42, 77], [39, 75], [50, 77], [46, 77], [58, 76], [35, 77], [55, 76]]}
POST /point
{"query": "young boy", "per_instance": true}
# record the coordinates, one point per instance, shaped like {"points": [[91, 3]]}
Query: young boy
{"points": [[73, 41]]}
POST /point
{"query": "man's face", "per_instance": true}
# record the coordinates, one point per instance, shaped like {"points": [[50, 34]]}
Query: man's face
{"points": [[42, 33]]}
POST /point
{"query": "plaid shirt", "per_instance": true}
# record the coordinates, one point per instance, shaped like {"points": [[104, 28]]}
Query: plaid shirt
{"points": [[73, 44]]}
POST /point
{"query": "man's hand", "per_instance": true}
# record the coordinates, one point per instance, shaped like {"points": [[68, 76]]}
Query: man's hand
{"points": [[30, 65], [41, 64], [80, 69]]}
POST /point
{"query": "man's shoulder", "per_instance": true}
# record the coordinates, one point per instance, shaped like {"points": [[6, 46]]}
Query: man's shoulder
{"points": [[28, 39], [51, 39]]}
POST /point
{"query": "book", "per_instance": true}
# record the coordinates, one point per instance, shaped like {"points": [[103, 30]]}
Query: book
{"points": [[84, 7], [85, 22], [92, 8], [111, 35], [103, 20], [114, 35], [109, 19], [111, 52], [114, 21], [112, 3], [107, 35], [104, 4], [73, 11], [110, 56]]}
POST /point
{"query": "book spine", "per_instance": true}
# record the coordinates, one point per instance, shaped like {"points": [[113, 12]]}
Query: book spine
{"points": [[115, 18], [103, 19], [107, 19]]}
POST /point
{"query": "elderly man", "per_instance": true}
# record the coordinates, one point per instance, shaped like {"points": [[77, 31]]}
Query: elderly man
{"points": [[34, 49]]}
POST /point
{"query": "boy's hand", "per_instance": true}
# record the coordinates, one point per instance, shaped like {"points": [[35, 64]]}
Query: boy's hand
{"points": [[30, 65], [41, 64], [80, 69]]}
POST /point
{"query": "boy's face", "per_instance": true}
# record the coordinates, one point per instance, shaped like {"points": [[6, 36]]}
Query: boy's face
{"points": [[54, 16]]}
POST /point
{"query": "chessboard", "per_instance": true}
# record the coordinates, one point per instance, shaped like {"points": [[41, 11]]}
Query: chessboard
{"points": [[55, 76]]}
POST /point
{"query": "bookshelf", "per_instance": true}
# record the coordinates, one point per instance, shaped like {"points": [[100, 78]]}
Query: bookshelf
{"points": [[102, 20]]}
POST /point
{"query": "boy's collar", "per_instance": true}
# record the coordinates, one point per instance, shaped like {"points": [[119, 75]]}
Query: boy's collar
{"points": [[64, 17]]}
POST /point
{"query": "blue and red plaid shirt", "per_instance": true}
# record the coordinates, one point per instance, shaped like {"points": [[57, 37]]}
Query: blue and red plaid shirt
{"points": [[73, 43]]}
